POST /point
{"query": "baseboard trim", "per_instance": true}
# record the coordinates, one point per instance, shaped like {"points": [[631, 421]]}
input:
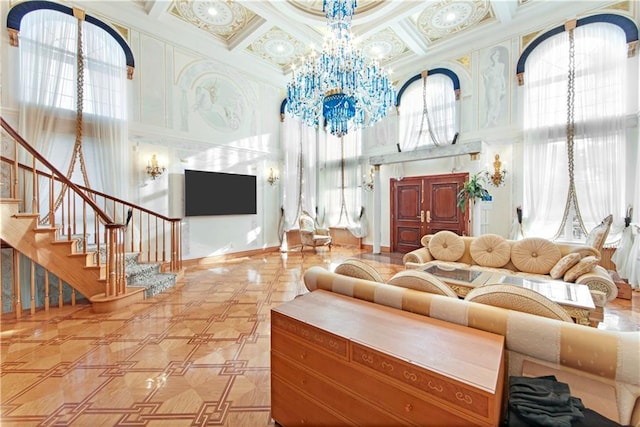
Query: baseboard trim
{"points": [[195, 262], [370, 248]]}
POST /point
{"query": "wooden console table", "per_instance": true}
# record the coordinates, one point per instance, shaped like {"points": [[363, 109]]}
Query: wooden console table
{"points": [[336, 360]]}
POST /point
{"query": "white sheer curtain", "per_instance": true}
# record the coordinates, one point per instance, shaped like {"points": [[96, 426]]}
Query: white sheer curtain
{"points": [[47, 68], [299, 174], [105, 117], [600, 117], [341, 182], [48, 98], [600, 53], [428, 118]]}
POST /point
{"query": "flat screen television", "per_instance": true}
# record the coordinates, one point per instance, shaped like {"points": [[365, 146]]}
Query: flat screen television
{"points": [[218, 193]]}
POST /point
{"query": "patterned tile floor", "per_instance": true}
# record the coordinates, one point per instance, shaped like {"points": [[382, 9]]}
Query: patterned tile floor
{"points": [[196, 355]]}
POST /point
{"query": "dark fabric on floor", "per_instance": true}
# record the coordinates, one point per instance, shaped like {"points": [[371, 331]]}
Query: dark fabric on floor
{"points": [[546, 402]]}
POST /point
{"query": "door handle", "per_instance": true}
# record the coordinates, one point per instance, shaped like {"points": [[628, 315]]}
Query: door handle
{"points": [[421, 216], [428, 216]]}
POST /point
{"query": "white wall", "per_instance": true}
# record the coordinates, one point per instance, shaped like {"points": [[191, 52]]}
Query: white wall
{"points": [[194, 112]]}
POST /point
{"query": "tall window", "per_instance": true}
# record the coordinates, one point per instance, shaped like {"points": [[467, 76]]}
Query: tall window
{"points": [[428, 114], [48, 42], [574, 131], [49, 94], [340, 187]]}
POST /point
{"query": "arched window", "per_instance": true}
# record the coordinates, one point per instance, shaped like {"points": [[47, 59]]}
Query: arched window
{"points": [[575, 139], [73, 70], [428, 109]]}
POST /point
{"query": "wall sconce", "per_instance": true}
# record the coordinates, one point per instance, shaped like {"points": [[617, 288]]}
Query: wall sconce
{"points": [[497, 178], [153, 168], [273, 176], [368, 185]]}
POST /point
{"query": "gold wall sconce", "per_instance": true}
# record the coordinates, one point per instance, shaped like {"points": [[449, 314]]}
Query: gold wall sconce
{"points": [[368, 183], [154, 169], [498, 176], [273, 176]]}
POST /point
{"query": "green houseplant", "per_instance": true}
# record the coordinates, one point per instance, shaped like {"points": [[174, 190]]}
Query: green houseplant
{"points": [[472, 190]]}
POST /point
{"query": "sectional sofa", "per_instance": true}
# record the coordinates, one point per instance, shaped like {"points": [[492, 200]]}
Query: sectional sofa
{"points": [[601, 367], [534, 257]]}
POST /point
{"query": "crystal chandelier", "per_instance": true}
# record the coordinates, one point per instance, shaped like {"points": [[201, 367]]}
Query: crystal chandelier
{"points": [[339, 85]]}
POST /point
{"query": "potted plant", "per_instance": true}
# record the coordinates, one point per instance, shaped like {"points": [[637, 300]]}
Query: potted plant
{"points": [[472, 190]]}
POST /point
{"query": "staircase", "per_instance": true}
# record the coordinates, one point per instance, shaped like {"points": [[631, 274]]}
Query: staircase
{"points": [[77, 240]]}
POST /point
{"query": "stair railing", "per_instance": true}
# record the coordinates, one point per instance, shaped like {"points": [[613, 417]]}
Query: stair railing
{"points": [[155, 237], [76, 210]]}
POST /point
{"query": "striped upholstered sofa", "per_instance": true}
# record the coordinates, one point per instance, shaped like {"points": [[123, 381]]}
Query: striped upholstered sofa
{"points": [[601, 367]]}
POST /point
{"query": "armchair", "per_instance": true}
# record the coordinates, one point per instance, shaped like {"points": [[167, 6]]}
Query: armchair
{"points": [[310, 235]]}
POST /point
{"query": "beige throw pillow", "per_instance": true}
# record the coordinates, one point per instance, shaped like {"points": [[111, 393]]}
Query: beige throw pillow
{"points": [[565, 263], [585, 265], [446, 246], [490, 250], [535, 255]]}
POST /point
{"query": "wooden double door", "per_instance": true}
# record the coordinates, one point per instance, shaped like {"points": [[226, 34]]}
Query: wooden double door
{"points": [[425, 205]]}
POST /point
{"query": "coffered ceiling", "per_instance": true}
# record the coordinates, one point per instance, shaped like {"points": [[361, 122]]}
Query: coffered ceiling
{"points": [[268, 36]]}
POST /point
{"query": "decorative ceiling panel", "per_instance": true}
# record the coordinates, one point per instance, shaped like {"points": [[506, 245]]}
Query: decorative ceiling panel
{"points": [[449, 17], [220, 18], [314, 7], [385, 46], [278, 47]]}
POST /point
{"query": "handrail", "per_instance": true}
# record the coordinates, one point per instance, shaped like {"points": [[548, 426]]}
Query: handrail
{"points": [[16, 136], [158, 238], [98, 193]]}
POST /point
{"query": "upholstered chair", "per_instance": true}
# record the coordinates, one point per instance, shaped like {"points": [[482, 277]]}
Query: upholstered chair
{"points": [[598, 235], [518, 299], [421, 281], [353, 267], [310, 235]]}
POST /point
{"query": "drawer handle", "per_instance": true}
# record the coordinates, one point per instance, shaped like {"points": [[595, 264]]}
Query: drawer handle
{"points": [[408, 407], [463, 397], [367, 358], [437, 388], [303, 355]]}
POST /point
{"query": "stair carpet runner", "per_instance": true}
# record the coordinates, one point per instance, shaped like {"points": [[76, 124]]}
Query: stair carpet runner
{"points": [[147, 275], [141, 274]]}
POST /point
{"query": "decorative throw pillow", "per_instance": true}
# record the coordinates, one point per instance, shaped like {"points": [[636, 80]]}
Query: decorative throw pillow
{"points": [[446, 246], [535, 255], [585, 265], [565, 263], [490, 250]]}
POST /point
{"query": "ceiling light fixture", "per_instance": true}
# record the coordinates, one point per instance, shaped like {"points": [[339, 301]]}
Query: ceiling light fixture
{"points": [[339, 85]]}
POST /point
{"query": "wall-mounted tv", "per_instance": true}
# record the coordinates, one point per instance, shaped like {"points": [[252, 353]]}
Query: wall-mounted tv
{"points": [[218, 193]]}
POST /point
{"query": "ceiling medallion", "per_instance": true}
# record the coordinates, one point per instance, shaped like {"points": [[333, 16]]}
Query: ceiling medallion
{"points": [[384, 46], [315, 7], [448, 17], [218, 17], [277, 46]]}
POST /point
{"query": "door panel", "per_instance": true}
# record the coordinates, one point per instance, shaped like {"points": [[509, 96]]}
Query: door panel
{"points": [[425, 205], [441, 193], [406, 206]]}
